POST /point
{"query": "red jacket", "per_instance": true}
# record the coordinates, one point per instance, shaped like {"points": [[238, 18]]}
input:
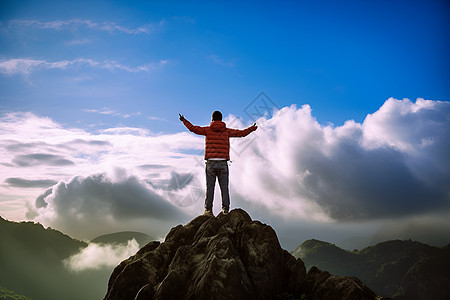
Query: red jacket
{"points": [[217, 144]]}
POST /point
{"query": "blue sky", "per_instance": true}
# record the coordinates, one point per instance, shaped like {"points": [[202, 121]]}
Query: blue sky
{"points": [[90, 93], [344, 59]]}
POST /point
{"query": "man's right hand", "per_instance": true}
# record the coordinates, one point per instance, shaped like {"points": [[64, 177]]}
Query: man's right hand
{"points": [[181, 117]]}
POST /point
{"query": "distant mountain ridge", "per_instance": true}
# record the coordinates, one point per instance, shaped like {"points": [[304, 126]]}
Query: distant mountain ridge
{"points": [[434, 233], [392, 268], [123, 237]]}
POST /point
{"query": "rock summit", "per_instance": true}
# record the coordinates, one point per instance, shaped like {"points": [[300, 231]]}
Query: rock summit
{"points": [[225, 257]]}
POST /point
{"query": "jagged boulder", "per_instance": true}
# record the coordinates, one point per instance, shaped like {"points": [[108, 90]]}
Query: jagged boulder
{"points": [[224, 257]]}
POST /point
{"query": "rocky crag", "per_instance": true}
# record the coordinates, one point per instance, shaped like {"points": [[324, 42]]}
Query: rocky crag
{"points": [[225, 257]]}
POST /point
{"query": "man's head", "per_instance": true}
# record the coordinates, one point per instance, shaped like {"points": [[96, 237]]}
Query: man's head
{"points": [[217, 116]]}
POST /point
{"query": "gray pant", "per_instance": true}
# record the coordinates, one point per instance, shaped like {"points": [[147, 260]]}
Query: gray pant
{"points": [[219, 169]]}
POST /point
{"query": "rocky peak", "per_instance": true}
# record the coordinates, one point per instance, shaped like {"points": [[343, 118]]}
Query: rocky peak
{"points": [[224, 257]]}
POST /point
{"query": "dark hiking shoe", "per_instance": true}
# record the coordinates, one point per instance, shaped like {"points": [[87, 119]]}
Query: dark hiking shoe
{"points": [[225, 211]]}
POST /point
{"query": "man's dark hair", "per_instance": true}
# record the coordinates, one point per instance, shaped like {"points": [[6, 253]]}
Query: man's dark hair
{"points": [[217, 116]]}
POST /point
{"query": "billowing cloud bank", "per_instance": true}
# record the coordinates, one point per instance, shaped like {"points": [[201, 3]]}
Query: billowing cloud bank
{"points": [[102, 201], [96, 256], [397, 163], [394, 165]]}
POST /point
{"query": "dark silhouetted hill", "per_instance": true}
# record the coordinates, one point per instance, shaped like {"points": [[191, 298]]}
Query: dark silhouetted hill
{"points": [[122, 238], [399, 269], [225, 257]]}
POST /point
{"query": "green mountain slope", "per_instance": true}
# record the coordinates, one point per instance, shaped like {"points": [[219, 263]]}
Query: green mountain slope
{"points": [[31, 260], [387, 267], [6, 294]]}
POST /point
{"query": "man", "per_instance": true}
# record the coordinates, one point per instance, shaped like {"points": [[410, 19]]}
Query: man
{"points": [[217, 155]]}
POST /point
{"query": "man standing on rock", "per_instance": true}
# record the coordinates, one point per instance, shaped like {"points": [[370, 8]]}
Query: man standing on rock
{"points": [[217, 155]]}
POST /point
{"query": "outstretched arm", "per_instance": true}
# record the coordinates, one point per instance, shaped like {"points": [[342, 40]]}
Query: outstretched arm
{"points": [[242, 133], [195, 129]]}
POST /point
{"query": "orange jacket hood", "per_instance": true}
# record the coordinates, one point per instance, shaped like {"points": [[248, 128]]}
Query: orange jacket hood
{"points": [[218, 126]]}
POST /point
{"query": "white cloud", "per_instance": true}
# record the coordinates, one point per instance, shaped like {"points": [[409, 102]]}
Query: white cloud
{"points": [[133, 131], [379, 169], [221, 61], [77, 42], [153, 118], [96, 256], [85, 207], [75, 24], [27, 66], [108, 111], [404, 125]]}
